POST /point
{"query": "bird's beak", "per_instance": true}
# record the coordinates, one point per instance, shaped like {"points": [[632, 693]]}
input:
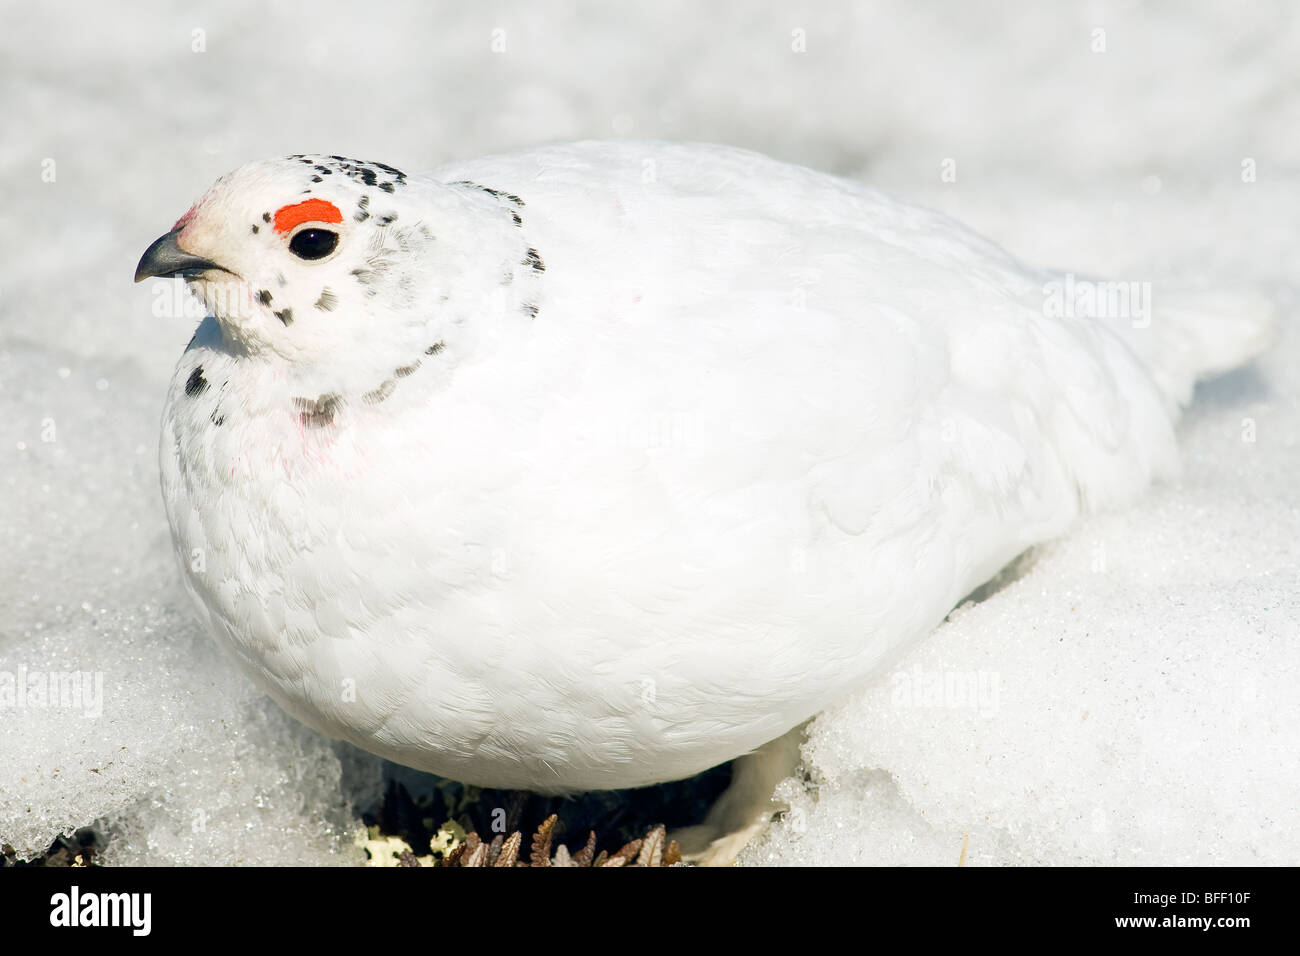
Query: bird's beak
{"points": [[165, 257]]}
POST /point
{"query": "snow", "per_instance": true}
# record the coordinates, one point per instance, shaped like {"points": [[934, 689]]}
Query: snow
{"points": [[1129, 698]]}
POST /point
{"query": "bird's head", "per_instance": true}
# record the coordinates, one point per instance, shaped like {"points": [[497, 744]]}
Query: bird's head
{"points": [[329, 263]]}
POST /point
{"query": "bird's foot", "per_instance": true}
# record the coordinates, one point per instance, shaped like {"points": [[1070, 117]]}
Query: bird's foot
{"points": [[746, 807]]}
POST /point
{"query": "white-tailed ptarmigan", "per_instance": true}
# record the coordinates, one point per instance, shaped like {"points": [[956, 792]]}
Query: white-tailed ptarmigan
{"points": [[595, 466]]}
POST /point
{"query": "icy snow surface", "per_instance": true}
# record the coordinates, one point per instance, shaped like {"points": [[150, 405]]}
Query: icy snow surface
{"points": [[1129, 698]]}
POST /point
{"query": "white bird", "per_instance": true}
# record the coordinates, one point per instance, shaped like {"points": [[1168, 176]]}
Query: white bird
{"points": [[598, 465]]}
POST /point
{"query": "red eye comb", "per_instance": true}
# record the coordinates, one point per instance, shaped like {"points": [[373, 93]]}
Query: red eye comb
{"points": [[309, 210]]}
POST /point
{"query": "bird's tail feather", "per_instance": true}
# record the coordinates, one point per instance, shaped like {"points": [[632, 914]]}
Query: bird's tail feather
{"points": [[1191, 336]]}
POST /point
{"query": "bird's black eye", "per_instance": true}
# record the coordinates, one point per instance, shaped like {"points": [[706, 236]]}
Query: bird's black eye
{"points": [[313, 243]]}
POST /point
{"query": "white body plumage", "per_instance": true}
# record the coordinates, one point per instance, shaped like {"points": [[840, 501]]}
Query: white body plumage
{"points": [[607, 463]]}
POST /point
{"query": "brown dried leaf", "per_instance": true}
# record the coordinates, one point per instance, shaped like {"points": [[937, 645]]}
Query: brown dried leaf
{"points": [[453, 858], [494, 850], [509, 853], [478, 857], [652, 848], [588, 853], [541, 854], [461, 855], [672, 855], [628, 852]]}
